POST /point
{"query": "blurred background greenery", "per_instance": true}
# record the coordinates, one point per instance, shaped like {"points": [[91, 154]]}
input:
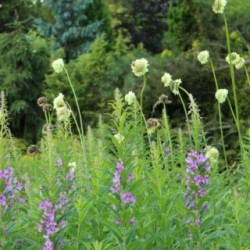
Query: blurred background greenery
{"points": [[98, 39]]}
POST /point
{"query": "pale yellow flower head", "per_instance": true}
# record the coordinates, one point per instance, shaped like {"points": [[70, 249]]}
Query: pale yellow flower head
{"points": [[130, 97], [166, 79], [203, 56], [58, 65], [240, 63], [140, 67], [119, 137], [58, 101], [221, 95], [212, 154], [234, 58], [219, 6]]}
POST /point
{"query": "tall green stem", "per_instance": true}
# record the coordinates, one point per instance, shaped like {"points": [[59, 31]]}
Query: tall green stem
{"points": [[248, 79], [142, 91], [237, 126], [231, 69], [220, 116], [82, 139], [233, 83]]}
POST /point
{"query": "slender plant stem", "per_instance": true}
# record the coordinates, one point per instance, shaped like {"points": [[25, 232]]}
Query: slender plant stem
{"points": [[233, 85], [248, 78], [165, 117], [231, 69], [81, 134], [220, 116], [142, 91], [237, 126]]}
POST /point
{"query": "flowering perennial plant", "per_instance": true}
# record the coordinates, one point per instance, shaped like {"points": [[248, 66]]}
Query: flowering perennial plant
{"points": [[126, 198], [11, 192], [49, 225], [197, 179]]}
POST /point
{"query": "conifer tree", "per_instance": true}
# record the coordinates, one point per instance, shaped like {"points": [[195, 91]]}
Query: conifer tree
{"points": [[75, 24]]}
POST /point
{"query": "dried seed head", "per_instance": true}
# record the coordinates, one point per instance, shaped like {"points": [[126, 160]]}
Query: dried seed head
{"points": [[47, 128], [33, 149], [152, 125], [41, 101], [47, 107]]}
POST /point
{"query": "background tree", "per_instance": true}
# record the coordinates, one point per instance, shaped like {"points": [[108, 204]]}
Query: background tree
{"points": [[24, 60], [75, 24], [11, 10], [143, 21]]}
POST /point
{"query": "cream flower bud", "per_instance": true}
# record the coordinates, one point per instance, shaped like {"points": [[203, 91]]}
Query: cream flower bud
{"points": [[203, 56], [58, 65], [174, 86], [212, 154], [58, 101], [219, 6], [130, 97], [221, 95], [119, 137], [235, 58], [166, 79], [240, 63], [140, 67]]}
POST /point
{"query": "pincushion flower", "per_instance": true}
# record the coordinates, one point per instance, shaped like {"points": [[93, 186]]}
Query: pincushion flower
{"points": [[221, 95], [234, 58], [212, 154], [59, 101], [166, 79], [203, 56], [140, 67], [240, 63], [219, 6], [130, 97], [58, 65]]}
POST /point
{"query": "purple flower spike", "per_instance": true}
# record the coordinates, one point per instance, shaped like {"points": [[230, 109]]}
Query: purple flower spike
{"points": [[48, 245], [130, 177], [128, 198]]}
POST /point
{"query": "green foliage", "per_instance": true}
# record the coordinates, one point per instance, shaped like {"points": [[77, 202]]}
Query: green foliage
{"points": [[15, 11], [75, 24], [24, 61], [142, 21]]}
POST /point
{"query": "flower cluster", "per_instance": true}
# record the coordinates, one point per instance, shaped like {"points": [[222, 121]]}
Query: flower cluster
{"points": [[125, 197], [197, 178], [172, 84], [236, 60], [61, 108], [11, 190]]}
